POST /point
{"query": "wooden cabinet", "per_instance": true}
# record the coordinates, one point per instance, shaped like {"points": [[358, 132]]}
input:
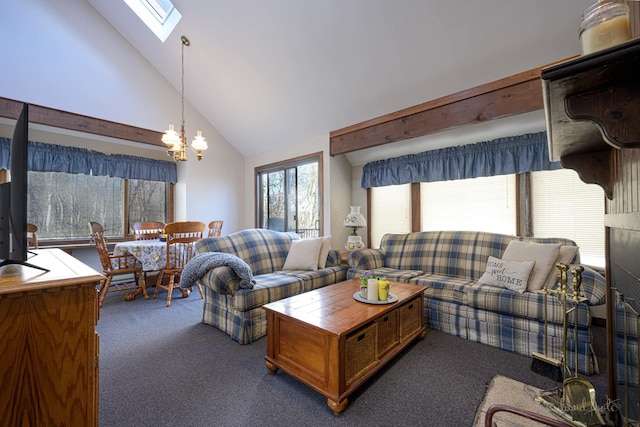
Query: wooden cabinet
{"points": [[48, 342], [592, 108]]}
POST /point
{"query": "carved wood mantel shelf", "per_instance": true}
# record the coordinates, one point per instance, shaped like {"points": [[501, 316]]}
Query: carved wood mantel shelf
{"points": [[591, 106]]}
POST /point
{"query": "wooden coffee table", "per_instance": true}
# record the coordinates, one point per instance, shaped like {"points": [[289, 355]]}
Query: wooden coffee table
{"points": [[333, 343]]}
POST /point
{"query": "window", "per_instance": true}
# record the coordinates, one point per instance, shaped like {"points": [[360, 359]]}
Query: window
{"points": [[159, 15], [561, 205], [564, 206], [480, 204], [392, 213], [147, 200], [62, 204], [289, 196]]}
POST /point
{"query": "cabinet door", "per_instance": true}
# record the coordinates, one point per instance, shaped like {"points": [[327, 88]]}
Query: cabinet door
{"points": [[48, 347]]}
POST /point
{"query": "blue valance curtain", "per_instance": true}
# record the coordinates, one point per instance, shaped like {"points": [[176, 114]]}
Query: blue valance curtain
{"points": [[58, 158], [503, 156]]}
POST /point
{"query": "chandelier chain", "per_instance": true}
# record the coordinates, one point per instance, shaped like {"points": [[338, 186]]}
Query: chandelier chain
{"points": [[178, 142], [182, 92]]}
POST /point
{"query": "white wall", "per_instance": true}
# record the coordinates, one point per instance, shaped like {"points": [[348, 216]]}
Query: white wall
{"points": [[340, 199], [64, 55]]}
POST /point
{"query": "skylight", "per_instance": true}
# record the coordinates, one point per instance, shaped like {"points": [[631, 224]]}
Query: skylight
{"points": [[160, 16]]}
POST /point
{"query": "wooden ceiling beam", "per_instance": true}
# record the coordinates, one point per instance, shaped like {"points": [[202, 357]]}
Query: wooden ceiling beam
{"points": [[10, 109], [516, 94]]}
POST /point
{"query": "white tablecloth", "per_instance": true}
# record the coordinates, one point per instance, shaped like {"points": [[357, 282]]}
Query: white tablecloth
{"points": [[152, 254]]}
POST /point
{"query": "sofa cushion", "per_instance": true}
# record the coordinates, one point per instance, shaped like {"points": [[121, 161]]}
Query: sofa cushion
{"points": [[318, 278], [303, 254], [389, 273], [443, 287], [512, 275], [544, 254], [324, 251], [268, 288], [566, 256], [528, 305]]}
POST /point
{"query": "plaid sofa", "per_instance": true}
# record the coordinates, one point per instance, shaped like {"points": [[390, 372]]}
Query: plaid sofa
{"points": [[449, 264], [627, 323], [237, 310]]}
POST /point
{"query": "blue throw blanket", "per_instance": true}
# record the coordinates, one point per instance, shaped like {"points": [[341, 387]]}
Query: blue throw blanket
{"points": [[201, 263]]}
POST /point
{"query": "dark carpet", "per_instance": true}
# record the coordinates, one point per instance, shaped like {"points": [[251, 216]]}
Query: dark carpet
{"points": [[161, 366]]}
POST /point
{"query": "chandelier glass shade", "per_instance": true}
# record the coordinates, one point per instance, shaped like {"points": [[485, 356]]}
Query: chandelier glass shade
{"points": [[177, 142]]}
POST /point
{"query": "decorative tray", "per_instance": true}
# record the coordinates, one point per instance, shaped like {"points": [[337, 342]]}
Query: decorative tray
{"points": [[390, 300]]}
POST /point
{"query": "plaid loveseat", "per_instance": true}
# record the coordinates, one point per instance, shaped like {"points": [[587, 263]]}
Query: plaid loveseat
{"points": [[449, 264], [238, 310]]}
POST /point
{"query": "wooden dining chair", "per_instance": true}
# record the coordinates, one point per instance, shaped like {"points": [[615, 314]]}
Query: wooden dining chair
{"points": [[147, 230], [32, 239], [181, 238], [116, 265], [215, 228]]}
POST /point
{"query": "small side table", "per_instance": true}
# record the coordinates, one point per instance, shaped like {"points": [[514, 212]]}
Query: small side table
{"points": [[344, 254]]}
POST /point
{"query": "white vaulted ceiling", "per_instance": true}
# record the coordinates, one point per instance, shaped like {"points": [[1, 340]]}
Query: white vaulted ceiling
{"points": [[268, 74]]}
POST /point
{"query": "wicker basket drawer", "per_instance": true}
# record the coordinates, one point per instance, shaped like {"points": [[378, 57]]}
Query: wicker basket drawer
{"points": [[361, 352], [388, 334], [410, 319]]}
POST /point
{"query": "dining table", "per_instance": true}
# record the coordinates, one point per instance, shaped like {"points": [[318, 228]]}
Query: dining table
{"points": [[152, 255]]}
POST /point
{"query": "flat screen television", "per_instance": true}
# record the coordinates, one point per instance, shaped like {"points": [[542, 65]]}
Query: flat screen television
{"points": [[13, 198]]}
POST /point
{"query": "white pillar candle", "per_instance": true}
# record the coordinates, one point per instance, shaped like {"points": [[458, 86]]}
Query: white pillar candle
{"points": [[372, 289]]}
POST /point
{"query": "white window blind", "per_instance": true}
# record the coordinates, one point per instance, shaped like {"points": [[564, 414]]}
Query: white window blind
{"points": [[390, 211], [564, 206], [478, 204]]}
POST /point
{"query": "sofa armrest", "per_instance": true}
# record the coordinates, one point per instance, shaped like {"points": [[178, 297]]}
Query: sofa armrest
{"points": [[366, 259], [222, 280], [334, 259], [593, 285]]}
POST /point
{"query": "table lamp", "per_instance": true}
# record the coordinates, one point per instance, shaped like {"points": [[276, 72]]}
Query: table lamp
{"points": [[354, 220]]}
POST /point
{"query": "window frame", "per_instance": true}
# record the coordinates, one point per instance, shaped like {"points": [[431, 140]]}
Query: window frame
{"points": [[45, 243], [283, 165]]}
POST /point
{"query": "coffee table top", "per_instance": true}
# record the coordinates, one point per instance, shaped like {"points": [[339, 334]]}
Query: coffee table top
{"points": [[333, 308]]}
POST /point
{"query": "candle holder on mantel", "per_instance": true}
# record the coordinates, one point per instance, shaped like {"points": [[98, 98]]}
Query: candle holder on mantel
{"points": [[354, 220]]}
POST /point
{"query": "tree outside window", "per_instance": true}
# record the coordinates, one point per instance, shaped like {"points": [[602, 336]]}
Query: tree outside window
{"points": [[289, 196]]}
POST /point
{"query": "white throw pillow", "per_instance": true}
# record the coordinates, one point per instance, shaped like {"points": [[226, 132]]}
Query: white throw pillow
{"points": [[512, 275], [565, 256], [324, 251], [544, 254], [303, 254]]}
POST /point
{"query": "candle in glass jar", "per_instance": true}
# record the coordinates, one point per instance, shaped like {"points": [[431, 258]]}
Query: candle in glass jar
{"points": [[604, 24], [606, 34]]}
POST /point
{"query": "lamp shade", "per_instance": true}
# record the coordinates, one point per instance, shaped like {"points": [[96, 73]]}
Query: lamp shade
{"points": [[171, 138], [199, 143], [355, 218]]}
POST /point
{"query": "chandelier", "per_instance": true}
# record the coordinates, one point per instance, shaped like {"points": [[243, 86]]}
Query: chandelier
{"points": [[177, 143]]}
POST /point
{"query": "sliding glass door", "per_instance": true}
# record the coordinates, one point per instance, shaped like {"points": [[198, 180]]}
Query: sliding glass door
{"points": [[289, 196]]}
